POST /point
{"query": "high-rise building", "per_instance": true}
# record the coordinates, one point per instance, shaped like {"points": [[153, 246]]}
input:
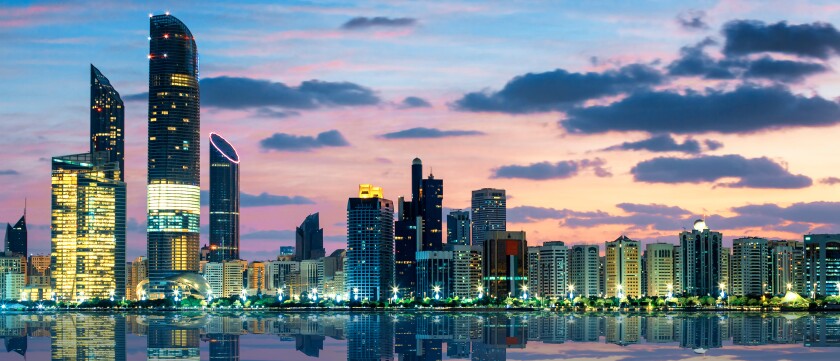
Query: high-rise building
{"points": [[584, 271], [369, 272], [553, 271], [660, 269], [224, 200], [466, 270], [256, 278], [15, 241], [214, 273], [822, 264], [623, 273], [489, 213], [419, 225], [725, 270], [88, 227], [458, 227], [309, 239], [787, 267], [139, 273], [749, 275], [174, 152], [533, 259], [504, 264], [38, 270], [12, 278], [678, 271], [435, 272], [700, 255], [107, 119]]}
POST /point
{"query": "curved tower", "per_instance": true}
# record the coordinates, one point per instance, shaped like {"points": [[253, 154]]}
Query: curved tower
{"points": [[174, 152], [107, 119], [224, 200]]}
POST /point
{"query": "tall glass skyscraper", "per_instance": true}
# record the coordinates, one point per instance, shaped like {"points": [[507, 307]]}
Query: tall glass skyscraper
{"points": [[309, 239], [489, 207], [107, 119], [701, 256], [458, 227], [15, 241], [369, 270], [88, 227], [174, 152], [224, 200]]}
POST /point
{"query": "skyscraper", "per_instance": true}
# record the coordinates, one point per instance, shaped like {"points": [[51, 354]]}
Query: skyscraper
{"points": [[369, 270], [584, 270], [309, 239], [88, 227], [660, 269], [458, 227], [504, 264], [700, 259], [787, 266], [15, 241], [822, 264], [224, 200], [489, 207], [623, 272], [419, 225], [750, 274], [107, 119], [553, 270], [174, 152]]}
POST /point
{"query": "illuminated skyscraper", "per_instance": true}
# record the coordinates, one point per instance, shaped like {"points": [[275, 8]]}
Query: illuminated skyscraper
{"points": [[504, 264], [489, 207], [822, 264], [224, 200], [458, 227], [584, 269], [88, 227], [750, 274], [309, 239], [370, 245], [659, 269], [700, 259], [15, 241], [623, 273], [107, 119], [174, 152]]}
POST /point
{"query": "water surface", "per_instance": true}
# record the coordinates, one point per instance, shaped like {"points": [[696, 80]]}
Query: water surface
{"points": [[419, 336]]}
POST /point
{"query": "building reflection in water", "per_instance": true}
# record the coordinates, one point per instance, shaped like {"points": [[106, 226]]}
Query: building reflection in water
{"points": [[409, 336], [173, 337], [88, 337]]}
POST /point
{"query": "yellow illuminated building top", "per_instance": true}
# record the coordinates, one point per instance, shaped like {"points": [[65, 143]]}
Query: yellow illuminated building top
{"points": [[369, 191]]}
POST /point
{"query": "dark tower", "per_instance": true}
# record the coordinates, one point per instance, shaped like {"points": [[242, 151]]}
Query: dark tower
{"points": [[416, 185], [174, 152], [309, 239], [107, 119], [224, 200], [431, 200], [15, 241]]}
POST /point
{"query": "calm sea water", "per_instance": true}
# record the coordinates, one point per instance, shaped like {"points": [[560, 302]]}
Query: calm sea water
{"points": [[419, 336]]}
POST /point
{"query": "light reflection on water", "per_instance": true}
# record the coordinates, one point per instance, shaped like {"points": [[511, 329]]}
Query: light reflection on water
{"points": [[418, 336]]}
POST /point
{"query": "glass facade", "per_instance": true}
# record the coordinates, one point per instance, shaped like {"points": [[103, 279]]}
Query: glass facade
{"points": [[489, 213], [822, 264], [370, 248], [700, 261], [504, 264], [15, 241], [309, 239], [458, 227], [174, 152], [224, 200], [107, 119], [88, 227]]}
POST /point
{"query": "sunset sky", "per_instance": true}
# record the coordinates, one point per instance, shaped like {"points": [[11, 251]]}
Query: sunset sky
{"points": [[598, 118]]}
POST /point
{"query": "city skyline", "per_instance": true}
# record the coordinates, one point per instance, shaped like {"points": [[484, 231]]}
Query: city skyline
{"points": [[370, 112]]}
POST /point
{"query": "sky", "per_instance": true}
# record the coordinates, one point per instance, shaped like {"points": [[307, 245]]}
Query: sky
{"points": [[598, 118]]}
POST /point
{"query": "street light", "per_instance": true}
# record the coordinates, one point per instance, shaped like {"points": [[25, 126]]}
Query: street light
{"points": [[112, 295], [314, 294], [670, 288], [571, 292], [177, 295], [619, 293], [524, 292], [436, 289], [789, 287], [480, 289], [395, 290], [243, 295], [356, 293], [280, 294], [722, 287], [209, 296]]}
